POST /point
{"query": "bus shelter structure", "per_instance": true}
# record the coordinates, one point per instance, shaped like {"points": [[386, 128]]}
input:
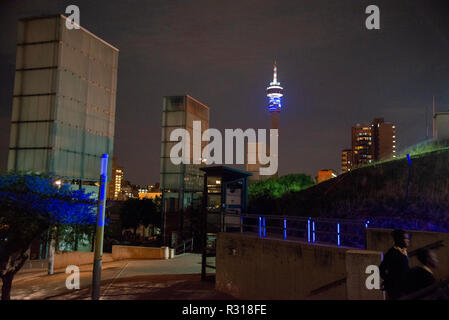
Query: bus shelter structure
{"points": [[225, 196]]}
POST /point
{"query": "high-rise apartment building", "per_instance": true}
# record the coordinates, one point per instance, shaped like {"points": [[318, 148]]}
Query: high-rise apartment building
{"points": [[370, 143], [115, 186], [63, 111], [347, 160], [362, 144], [384, 139], [181, 184]]}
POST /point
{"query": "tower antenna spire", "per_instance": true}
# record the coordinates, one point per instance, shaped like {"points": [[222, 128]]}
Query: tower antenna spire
{"points": [[275, 72]]}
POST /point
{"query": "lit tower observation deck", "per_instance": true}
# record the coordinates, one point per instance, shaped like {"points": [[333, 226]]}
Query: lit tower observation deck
{"points": [[274, 94]]}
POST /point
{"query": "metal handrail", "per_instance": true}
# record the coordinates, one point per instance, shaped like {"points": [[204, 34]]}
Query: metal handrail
{"points": [[312, 230]]}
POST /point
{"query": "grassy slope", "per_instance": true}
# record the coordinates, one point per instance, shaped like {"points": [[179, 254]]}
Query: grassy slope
{"points": [[380, 191]]}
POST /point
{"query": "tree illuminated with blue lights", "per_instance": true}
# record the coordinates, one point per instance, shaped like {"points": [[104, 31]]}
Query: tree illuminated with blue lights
{"points": [[29, 205]]}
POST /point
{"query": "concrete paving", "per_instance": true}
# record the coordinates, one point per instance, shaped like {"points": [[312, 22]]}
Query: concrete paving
{"points": [[126, 279]]}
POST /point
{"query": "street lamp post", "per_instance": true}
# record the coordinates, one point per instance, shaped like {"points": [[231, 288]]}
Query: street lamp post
{"points": [[99, 235]]}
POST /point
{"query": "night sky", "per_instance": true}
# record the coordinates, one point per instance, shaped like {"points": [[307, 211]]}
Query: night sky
{"points": [[335, 72]]}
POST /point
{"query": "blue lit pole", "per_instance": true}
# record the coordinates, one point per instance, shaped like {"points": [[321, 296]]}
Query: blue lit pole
{"points": [[99, 235], [308, 230], [264, 229], [410, 172]]}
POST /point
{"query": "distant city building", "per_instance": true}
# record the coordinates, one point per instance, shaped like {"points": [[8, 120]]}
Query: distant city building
{"points": [[384, 139], [129, 191], [326, 174], [181, 185], [150, 195], [362, 144], [150, 192], [370, 143], [347, 160], [63, 111], [115, 186]]}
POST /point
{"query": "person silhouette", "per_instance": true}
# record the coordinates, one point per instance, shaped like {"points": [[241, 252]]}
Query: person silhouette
{"points": [[395, 265], [421, 276]]}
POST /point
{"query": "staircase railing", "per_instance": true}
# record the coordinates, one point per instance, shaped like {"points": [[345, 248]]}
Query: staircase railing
{"points": [[185, 246]]}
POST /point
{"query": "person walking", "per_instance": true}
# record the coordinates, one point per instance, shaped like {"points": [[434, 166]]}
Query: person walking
{"points": [[421, 277], [396, 265]]}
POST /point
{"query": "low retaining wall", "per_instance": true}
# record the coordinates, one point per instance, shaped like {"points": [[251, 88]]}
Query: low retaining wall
{"points": [[78, 258], [132, 252], [381, 240], [67, 258], [249, 267]]}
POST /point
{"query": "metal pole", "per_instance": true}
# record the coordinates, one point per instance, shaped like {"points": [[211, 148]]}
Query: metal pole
{"points": [[433, 117], [98, 255], [203, 236]]}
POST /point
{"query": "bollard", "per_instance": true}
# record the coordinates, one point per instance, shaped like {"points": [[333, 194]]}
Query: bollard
{"points": [[165, 253]]}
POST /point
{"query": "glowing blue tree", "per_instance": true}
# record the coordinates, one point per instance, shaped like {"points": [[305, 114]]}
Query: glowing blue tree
{"points": [[29, 205]]}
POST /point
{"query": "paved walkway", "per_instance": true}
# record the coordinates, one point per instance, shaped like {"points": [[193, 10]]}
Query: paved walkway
{"points": [[177, 278]]}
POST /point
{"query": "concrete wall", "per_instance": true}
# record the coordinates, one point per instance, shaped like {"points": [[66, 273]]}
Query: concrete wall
{"points": [[67, 258], [357, 262], [132, 252], [252, 268], [381, 240], [249, 267]]}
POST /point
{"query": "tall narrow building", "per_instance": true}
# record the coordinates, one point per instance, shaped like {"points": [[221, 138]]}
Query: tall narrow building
{"points": [[115, 184], [63, 111], [181, 184], [384, 139], [362, 144], [347, 160], [370, 143]]}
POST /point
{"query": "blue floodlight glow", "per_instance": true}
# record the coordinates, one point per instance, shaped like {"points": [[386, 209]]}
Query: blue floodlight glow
{"points": [[338, 234], [313, 230], [366, 224], [285, 229], [308, 230], [260, 227], [274, 104], [408, 158]]}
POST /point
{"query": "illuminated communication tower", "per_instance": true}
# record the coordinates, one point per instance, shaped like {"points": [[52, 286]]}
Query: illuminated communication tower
{"points": [[274, 94]]}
